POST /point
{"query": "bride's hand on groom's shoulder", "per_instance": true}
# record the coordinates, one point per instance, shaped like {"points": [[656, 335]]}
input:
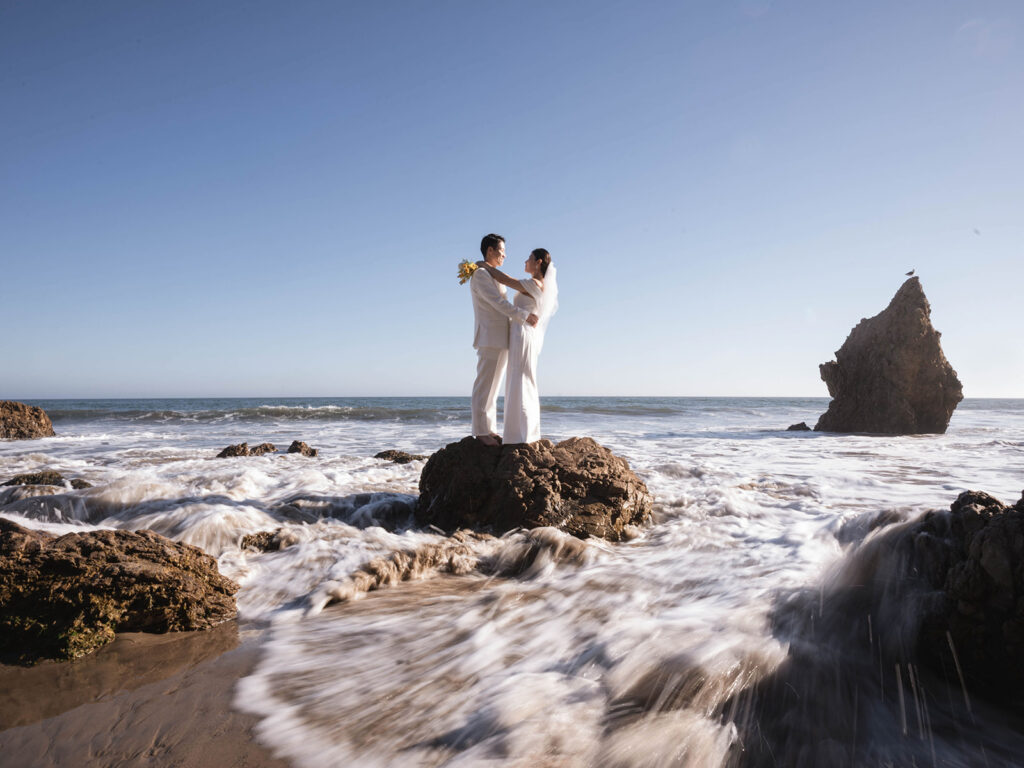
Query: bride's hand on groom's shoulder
{"points": [[532, 320]]}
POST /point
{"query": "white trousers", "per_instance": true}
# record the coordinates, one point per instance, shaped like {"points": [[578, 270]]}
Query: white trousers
{"points": [[490, 367]]}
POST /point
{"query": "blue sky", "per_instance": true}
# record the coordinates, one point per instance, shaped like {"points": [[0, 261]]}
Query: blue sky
{"points": [[269, 198]]}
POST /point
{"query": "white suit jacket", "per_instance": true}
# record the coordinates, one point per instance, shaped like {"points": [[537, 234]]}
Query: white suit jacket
{"points": [[492, 311]]}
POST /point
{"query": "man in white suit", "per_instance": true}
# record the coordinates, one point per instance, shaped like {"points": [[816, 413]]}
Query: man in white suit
{"points": [[492, 313]]}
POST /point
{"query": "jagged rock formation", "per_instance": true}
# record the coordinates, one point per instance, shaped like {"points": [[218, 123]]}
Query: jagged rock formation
{"points": [[62, 597], [577, 486], [243, 449], [298, 446], [398, 457], [890, 376], [924, 618], [22, 422], [974, 555]]}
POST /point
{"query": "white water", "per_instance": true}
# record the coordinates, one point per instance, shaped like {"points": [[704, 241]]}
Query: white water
{"points": [[541, 669]]}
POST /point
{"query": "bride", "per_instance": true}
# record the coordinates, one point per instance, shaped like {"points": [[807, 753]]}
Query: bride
{"points": [[537, 294]]}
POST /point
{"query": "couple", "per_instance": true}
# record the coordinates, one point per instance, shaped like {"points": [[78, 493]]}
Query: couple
{"points": [[509, 334]]}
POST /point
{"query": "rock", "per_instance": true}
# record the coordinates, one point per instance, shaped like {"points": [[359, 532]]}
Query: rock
{"points": [[65, 596], [577, 486], [300, 447], [801, 427], [518, 554], [269, 541], [46, 477], [974, 556], [20, 422], [242, 449], [399, 457], [890, 376]]}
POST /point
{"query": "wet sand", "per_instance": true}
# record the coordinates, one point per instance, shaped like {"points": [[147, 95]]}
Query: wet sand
{"points": [[144, 700]]}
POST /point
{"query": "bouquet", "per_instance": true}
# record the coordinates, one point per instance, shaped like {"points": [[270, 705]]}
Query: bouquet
{"points": [[466, 270]]}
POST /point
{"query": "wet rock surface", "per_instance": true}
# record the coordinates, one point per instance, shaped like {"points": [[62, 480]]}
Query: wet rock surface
{"points": [[891, 376], [64, 596], [514, 555], [912, 646], [19, 421], [399, 457], [801, 427], [975, 556], [577, 486], [241, 449], [298, 446], [46, 477], [269, 541]]}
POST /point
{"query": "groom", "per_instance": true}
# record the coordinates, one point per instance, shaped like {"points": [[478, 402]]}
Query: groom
{"points": [[492, 313]]}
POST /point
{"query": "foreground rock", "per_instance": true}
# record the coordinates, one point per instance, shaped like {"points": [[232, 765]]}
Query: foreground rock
{"points": [[890, 376], [47, 477], [62, 597], [21, 422], [399, 457], [918, 630], [974, 555], [577, 486]]}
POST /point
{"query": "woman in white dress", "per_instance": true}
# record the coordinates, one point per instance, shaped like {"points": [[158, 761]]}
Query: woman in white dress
{"points": [[537, 294]]}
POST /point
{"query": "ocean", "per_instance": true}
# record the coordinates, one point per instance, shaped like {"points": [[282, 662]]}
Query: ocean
{"points": [[628, 655]]}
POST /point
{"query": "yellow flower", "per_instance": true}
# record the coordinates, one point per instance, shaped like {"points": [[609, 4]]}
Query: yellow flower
{"points": [[466, 270]]}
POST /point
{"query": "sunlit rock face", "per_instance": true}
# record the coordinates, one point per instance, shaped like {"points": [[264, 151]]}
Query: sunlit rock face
{"points": [[23, 422], [890, 376], [65, 596], [577, 486]]}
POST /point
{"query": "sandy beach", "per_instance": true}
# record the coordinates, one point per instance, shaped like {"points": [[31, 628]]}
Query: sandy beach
{"points": [[144, 700]]}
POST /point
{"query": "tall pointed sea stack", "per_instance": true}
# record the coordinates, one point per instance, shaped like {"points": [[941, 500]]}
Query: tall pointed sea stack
{"points": [[890, 376]]}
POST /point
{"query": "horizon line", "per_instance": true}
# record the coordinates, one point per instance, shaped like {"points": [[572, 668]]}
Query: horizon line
{"points": [[445, 397]]}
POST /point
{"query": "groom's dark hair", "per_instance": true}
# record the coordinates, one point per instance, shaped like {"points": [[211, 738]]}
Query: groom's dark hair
{"points": [[490, 241]]}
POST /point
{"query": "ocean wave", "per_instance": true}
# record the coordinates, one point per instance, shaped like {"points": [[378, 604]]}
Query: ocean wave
{"points": [[613, 410], [263, 413]]}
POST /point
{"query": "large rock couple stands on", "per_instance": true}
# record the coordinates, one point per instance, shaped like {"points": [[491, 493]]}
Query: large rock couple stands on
{"points": [[577, 486], [890, 376], [65, 596], [23, 422]]}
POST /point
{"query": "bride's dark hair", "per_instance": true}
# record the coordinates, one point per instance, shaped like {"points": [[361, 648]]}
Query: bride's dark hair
{"points": [[541, 255]]}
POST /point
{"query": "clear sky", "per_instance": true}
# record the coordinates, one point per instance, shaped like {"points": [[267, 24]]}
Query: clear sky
{"points": [[270, 198]]}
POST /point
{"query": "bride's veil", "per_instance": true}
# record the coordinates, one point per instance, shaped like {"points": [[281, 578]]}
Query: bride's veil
{"points": [[548, 300]]}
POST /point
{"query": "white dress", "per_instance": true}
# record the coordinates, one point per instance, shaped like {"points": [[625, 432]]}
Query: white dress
{"points": [[522, 399]]}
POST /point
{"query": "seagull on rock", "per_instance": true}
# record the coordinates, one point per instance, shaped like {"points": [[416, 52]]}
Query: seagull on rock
{"points": [[910, 273]]}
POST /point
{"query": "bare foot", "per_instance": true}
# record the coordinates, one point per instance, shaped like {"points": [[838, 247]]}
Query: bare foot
{"points": [[488, 440], [496, 436]]}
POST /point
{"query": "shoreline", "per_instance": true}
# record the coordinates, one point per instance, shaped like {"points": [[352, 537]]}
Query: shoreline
{"points": [[142, 700]]}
